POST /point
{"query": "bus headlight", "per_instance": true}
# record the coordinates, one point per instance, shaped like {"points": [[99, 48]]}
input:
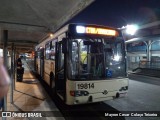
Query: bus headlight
{"points": [[78, 93]]}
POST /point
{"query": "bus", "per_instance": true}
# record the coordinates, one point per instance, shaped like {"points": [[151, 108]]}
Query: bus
{"points": [[84, 63]]}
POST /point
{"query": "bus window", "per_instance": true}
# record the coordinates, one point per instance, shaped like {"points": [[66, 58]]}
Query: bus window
{"points": [[47, 51], [74, 58], [52, 54], [93, 58]]}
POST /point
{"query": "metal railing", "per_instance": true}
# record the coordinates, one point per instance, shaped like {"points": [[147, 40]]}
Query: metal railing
{"points": [[149, 64], [132, 65]]}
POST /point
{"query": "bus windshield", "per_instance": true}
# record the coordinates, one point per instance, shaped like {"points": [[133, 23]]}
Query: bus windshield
{"points": [[92, 59]]}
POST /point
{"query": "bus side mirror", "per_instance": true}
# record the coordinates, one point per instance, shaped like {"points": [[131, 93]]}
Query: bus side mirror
{"points": [[64, 45]]}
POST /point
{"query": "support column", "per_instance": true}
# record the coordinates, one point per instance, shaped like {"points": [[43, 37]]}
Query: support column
{"points": [[149, 50], [148, 54], [126, 59], [14, 67], [5, 51], [35, 69], [12, 73]]}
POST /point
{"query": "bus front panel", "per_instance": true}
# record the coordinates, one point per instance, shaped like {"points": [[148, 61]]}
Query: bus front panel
{"points": [[80, 92]]}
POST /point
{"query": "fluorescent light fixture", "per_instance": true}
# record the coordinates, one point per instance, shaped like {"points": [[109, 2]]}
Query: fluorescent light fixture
{"points": [[51, 35], [80, 29]]}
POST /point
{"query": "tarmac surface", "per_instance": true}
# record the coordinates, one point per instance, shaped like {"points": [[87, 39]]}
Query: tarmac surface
{"points": [[143, 96]]}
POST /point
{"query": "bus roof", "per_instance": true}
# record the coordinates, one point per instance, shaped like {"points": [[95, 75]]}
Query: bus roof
{"points": [[71, 28]]}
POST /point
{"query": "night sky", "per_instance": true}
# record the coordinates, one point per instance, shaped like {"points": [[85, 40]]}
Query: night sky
{"points": [[118, 13]]}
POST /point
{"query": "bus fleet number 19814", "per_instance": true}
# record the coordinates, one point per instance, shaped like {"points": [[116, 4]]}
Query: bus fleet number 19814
{"points": [[85, 86]]}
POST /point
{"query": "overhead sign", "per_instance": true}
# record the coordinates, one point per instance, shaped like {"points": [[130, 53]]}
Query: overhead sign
{"points": [[95, 30]]}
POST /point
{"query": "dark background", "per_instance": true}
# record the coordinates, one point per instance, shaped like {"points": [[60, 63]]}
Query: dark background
{"points": [[118, 13]]}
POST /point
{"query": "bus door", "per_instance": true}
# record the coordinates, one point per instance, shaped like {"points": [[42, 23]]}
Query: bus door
{"points": [[42, 63], [60, 82]]}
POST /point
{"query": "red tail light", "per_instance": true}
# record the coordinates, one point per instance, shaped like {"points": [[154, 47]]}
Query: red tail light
{"points": [[72, 93]]}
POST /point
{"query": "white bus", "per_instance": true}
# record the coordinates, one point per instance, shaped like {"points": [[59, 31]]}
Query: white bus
{"points": [[84, 63]]}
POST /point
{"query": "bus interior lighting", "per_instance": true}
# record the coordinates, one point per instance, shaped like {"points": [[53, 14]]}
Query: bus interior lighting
{"points": [[116, 58]]}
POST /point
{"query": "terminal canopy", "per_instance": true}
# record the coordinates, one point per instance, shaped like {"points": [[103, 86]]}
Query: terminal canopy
{"points": [[29, 21]]}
